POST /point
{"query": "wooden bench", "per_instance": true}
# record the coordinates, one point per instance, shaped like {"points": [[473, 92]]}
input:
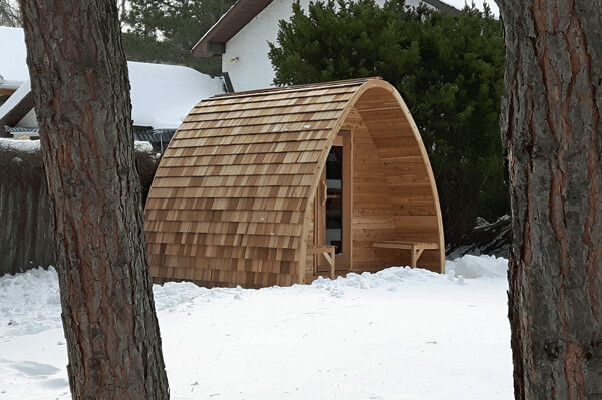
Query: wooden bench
{"points": [[416, 248], [327, 252]]}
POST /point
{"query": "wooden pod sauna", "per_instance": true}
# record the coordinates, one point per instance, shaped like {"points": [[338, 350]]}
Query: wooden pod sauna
{"points": [[278, 186]]}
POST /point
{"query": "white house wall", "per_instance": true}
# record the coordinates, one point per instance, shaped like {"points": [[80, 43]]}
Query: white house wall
{"points": [[246, 57]]}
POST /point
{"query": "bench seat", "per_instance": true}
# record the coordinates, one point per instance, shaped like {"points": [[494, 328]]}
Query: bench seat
{"points": [[416, 248]]}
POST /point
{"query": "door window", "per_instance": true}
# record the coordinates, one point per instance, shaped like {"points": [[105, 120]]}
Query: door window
{"points": [[334, 198]]}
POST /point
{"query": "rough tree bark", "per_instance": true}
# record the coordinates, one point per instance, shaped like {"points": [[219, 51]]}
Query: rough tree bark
{"points": [[551, 122], [81, 93]]}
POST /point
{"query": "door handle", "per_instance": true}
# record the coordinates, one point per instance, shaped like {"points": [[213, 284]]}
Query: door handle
{"points": [[324, 192]]}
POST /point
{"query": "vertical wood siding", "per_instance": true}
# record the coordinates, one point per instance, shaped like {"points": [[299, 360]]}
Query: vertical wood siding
{"points": [[26, 240], [26, 225]]}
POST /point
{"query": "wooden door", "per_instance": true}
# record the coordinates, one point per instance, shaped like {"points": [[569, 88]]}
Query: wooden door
{"points": [[333, 206]]}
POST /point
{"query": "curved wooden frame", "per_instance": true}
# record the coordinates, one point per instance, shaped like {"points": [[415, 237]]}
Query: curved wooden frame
{"points": [[231, 203]]}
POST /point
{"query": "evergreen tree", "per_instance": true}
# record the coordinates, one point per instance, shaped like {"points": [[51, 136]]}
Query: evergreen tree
{"points": [[164, 31], [448, 68]]}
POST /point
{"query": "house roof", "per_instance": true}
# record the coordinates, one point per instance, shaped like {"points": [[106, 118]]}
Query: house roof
{"points": [[213, 43], [161, 95], [16, 106], [442, 6], [239, 15]]}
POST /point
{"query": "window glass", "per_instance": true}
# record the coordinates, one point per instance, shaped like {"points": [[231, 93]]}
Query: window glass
{"points": [[334, 198]]}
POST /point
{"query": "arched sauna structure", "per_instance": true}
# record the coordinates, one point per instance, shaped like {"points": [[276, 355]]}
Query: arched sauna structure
{"points": [[261, 188]]}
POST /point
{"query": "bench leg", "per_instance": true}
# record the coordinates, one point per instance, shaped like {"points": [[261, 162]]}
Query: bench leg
{"points": [[416, 253], [330, 259]]}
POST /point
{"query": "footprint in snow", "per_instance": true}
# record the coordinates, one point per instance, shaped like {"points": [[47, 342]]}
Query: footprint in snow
{"points": [[55, 384], [31, 369]]}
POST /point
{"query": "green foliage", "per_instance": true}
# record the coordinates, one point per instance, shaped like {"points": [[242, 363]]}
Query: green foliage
{"points": [[165, 31], [448, 68]]}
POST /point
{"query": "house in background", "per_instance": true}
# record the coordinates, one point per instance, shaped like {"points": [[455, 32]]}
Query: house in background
{"points": [[241, 39], [161, 95]]}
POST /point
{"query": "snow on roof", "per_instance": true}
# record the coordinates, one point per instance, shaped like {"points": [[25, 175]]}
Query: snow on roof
{"points": [[161, 95], [31, 146], [13, 67], [27, 146]]}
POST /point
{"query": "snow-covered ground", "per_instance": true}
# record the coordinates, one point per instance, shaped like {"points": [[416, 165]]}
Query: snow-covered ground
{"points": [[397, 334], [32, 146]]}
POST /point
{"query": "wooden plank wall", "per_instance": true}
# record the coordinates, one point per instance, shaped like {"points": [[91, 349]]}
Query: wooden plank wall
{"points": [[27, 238], [393, 195], [228, 203]]}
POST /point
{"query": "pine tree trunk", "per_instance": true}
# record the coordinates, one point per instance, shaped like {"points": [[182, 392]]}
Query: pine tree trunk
{"points": [[551, 123], [81, 93]]}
